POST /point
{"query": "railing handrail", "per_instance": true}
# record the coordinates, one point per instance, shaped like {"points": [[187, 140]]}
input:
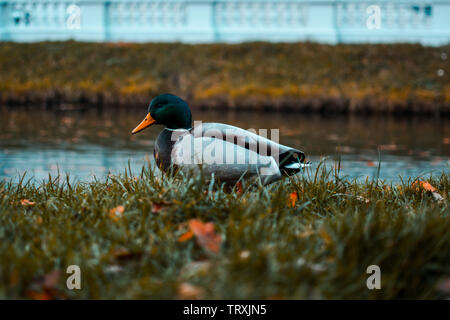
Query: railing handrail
{"points": [[227, 20]]}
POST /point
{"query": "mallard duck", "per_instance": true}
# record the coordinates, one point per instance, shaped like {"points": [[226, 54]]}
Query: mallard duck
{"points": [[225, 152]]}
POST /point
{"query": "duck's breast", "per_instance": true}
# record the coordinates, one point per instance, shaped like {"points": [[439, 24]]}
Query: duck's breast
{"points": [[163, 149]]}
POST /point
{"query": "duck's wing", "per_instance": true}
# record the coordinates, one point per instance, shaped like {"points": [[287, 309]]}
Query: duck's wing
{"points": [[227, 161], [289, 160]]}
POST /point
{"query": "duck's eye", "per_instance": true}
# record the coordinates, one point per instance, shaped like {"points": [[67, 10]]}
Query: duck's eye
{"points": [[159, 104]]}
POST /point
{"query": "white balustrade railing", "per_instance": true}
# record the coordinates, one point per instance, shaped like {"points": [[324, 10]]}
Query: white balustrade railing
{"points": [[329, 21]]}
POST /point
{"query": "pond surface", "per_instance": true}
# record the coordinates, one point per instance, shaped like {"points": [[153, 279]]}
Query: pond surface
{"points": [[88, 144]]}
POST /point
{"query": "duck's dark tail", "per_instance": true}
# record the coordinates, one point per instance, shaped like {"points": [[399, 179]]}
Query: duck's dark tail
{"points": [[292, 162]]}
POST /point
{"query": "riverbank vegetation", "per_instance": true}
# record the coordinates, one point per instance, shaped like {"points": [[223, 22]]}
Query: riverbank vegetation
{"points": [[153, 236], [397, 78]]}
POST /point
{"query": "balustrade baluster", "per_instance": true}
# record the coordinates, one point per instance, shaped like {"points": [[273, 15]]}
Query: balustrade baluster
{"points": [[325, 20]]}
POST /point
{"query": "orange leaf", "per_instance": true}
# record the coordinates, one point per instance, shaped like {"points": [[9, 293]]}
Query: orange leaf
{"points": [[187, 291], [292, 199], [122, 254], [116, 213], [186, 236], [26, 202], [158, 206], [34, 295], [205, 235], [45, 287], [370, 163], [306, 234], [239, 187], [425, 186], [428, 187], [325, 236]]}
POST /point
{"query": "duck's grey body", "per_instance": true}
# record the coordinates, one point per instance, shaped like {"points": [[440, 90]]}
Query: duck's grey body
{"points": [[227, 152]]}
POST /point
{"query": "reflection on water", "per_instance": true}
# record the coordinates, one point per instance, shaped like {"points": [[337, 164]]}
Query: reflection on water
{"points": [[89, 143]]}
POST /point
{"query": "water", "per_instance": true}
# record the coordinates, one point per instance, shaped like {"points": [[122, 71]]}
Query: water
{"points": [[88, 144]]}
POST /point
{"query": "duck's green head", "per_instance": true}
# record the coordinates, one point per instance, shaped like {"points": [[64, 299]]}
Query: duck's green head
{"points": [[169, 110]]}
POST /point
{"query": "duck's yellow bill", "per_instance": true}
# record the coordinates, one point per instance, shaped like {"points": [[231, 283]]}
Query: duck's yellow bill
{"points": [[147, 122]]}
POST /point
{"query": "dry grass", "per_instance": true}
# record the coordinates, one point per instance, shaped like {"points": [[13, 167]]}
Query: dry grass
{"points": [[299, 76]]}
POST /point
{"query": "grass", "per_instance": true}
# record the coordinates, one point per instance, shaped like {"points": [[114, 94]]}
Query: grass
{"points": [[396, 78], [272, 247]]}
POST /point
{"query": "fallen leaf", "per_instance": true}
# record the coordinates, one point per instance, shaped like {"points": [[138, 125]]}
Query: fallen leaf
{"points": [[370, 163], [306, 234], [123, 254], [187, 291], [186, 236], [34, 295], [45, 287], [120, 253], [67, 121], [26, 202], [425, 186], [158, 206], [116, 213], [205, 235], [325, 236], [39, 220], [239, 187], [446, 141], [244, 255], [292, 199]]}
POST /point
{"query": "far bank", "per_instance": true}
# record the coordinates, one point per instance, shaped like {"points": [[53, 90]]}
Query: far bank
{"points": [[303, 77]]}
